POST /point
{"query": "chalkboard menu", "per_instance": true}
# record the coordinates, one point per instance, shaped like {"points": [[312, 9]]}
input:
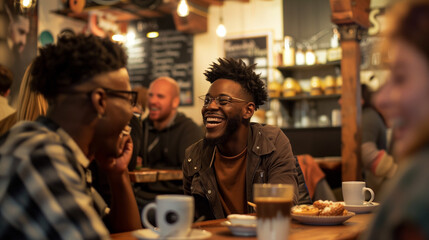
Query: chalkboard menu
{"points": [[168, 55], [252, 49]]}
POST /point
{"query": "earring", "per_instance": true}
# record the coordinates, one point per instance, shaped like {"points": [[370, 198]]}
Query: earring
{"points": [[99, 116]]}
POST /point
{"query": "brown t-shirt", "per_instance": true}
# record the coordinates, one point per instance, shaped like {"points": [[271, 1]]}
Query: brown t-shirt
{"points": [[231, 179]]}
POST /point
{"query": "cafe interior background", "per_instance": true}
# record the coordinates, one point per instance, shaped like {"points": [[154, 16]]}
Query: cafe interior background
{"points": [[256, 31]]}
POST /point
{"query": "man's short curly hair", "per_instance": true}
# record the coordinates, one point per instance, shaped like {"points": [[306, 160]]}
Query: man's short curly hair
{"points": [[74, 60], [236, 70]]}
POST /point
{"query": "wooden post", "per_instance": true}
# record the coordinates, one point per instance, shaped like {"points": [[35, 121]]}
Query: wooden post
{"points": [[352, 18], [351, 110]]}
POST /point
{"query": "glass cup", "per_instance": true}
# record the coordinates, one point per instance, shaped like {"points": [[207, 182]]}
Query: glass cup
{"points": [[273, 204]]}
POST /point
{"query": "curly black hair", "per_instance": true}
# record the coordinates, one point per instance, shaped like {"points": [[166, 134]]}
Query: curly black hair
{"points": [[72, 61], [236, 70]]}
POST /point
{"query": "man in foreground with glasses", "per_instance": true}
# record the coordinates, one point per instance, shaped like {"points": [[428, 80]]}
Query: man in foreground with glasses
{"points": [[220, 170], [45, 186]]}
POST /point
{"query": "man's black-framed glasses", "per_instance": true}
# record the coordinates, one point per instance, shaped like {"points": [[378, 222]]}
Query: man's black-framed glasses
{"points": [[130, 96], [220, 100]]}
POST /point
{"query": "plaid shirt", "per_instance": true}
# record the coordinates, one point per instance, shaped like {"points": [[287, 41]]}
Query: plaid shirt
{"points": [[45, 188]]}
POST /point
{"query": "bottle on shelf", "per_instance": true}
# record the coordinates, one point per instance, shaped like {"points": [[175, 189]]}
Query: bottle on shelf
{"points": [[335, 53], [323, 121], [310, 56], [316, 86], [321, 56], [278, 53], [330, 85], [305, 114], [274, 89], [336, 117], [290, 87], [297, 115], [284, 121], [299, 57], [288, 51], [271, 118], [313, 114], [338, 84]]}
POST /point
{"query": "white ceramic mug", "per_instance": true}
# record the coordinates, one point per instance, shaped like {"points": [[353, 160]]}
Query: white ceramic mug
{"points": [[174, 215], [354, 193]]}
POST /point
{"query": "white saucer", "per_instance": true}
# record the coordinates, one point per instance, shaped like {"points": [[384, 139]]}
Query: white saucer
{"points": [[365, 208], [241, 230], [147, 234]]}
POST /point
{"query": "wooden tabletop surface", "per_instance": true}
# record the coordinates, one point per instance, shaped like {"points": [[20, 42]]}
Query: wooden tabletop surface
{"points": [[153, 175], [350, 229]]}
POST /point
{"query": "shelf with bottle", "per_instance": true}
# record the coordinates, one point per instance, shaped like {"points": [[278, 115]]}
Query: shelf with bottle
{"points": [[307, 71], [306, 113], [291, 57], [307, 97], [315, 88], [309, 67]]}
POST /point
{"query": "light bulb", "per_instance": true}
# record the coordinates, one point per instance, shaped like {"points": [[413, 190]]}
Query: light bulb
{"points": [[183, 9], [118, 38], [221, 30], [26, 3], [152, 34]]}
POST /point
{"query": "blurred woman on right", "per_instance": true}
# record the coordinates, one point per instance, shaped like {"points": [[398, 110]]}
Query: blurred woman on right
{"points": [[404, 213]]}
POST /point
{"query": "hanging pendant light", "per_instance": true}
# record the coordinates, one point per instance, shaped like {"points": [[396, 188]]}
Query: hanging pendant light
{"points": [[152, 29], [221, 29], [183, 8]]}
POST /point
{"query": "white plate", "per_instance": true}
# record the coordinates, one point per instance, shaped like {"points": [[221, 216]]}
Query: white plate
{"points": [[365, 208], [147, 234], [322, 220], [241, 230]]}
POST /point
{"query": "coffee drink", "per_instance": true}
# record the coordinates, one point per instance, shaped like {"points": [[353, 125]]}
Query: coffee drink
{"points": [[273, 213], [273, 205]]}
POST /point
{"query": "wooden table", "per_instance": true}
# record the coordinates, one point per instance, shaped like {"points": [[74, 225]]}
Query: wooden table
{"points": [[351, 229], [153, 175]]}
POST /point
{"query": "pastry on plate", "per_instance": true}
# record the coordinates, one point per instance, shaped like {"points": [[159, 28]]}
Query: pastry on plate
{"points": [[308, 210], [320, 208]]}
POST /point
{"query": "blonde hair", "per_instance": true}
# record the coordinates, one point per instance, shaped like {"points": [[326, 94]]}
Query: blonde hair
{"points": [[30, 104]]}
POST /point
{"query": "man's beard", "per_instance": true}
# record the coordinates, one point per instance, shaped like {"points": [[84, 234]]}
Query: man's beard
{"points": [[231, 127], [16, 49]]}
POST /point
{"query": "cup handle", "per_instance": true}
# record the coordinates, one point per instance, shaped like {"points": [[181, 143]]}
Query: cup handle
{"points": [[146, 222], [370, 191]]}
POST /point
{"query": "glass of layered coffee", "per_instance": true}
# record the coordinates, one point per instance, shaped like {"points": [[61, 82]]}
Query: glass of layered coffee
{"points": [[273, 204]]}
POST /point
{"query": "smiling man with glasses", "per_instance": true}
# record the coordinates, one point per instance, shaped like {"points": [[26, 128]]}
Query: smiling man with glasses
{"points": [[46, 187], [220, 170]]}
